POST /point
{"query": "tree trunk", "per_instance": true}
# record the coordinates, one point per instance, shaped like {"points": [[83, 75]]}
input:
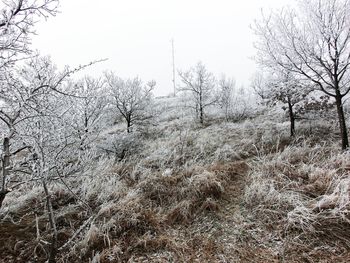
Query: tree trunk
{"points": [[128, 125], [342, 123], [201, 115], [291, 118], [53, 246], [84, 135], [5, 162], [3, 195], [5, 168]]}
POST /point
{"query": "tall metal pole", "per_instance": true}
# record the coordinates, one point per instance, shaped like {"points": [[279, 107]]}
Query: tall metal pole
{"points": [[173, 54]]}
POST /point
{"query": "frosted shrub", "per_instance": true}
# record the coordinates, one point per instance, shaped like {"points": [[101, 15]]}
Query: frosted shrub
{"points": [[120, 146]]}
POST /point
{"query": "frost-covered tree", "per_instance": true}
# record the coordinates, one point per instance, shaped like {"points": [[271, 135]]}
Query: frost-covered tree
{"points": [[20, 92], [313, 42], [285, 88], [131, 98], [298, 98], [200, 84], [17, 21], [35, 110], [50, 144], [25, 93], [87, 108], [226, 89]]}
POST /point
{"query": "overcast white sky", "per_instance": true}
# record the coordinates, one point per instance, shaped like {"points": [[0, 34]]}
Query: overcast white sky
{"points": [[135, 35]]}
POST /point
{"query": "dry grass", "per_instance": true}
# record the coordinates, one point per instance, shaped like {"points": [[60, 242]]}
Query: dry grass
{"points": [[302, 193], [185, 196], [141, 218]]}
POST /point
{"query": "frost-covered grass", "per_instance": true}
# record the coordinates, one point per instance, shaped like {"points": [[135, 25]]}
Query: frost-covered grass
{"points": [[303, 194], [174, 190]]}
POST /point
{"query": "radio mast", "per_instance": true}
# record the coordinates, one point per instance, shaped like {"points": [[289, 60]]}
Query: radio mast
{"points": [[173, 56]]}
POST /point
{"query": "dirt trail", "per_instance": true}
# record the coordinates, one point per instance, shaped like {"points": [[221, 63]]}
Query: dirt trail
{"points": [[234, 235], [217, 234], [243, 240]]}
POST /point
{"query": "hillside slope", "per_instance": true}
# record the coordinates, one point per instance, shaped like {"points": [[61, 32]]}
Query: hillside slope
{"points": [[179, 192]]}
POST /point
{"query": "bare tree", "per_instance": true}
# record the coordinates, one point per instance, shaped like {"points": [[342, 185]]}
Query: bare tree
{"points": [[313, 42], [19, 95], [131, 98], [282, 86], [23, 92], [226, 94], [17, 21], [87, 108], [200, 84], [35, 109], [56, 153], [258, 83]]}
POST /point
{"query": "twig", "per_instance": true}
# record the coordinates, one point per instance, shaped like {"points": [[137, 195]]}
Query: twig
{"points": [[90, 220], [71, 191]]}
